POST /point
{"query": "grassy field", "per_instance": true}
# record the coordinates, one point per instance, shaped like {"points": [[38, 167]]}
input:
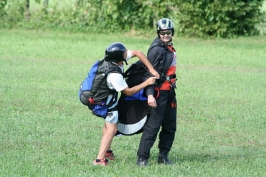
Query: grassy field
{"points": [[46, 131]]}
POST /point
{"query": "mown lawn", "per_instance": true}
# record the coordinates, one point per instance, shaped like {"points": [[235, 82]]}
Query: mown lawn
{"points": [[46, 131]]}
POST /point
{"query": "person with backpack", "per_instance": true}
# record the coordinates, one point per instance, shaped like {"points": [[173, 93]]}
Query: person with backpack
{"points": [[116, 53], [161, 97]]}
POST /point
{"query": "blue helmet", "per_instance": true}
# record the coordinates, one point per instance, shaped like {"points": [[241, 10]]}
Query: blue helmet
{"points": [[115, 52]]}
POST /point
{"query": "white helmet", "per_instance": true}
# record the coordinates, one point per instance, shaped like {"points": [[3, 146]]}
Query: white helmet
{"points": [[165, 24]]}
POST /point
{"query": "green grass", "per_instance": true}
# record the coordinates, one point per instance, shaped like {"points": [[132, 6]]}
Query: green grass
{"points": [[46, 131]]}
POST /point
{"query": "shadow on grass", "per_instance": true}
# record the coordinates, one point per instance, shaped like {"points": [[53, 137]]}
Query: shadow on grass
{"points": [[224, 153], [213, 154]]}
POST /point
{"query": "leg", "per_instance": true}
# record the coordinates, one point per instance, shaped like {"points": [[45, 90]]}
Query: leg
{"points": [[152, 127], [167, 134], [103, 132], [149, 134], [109, 153], [109, 131]]}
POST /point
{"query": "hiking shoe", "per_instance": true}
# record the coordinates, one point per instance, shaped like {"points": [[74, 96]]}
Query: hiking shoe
{"points": [[101, 162], [162, 159], [142, 162], [109, 155]]}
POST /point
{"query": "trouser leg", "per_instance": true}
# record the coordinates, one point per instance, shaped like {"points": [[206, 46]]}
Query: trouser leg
{"points": [[152, 126], [167, 133]]}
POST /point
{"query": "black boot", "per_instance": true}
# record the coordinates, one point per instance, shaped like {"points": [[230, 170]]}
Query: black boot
{"points": [[142, 162], [162, 159]]}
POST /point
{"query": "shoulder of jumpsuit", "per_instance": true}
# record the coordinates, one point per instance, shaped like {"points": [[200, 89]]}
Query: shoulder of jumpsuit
{"points": [[157, 46], [156, 43], [155, 51]]}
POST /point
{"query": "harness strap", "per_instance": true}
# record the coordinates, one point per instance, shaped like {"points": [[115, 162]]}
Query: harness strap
{"points": [[159, 83], [164, 78], [102, 103], [167, 78]]}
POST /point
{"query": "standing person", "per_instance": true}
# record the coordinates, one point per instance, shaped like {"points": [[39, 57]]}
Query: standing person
{"points": [[161, 97], [117, 54]]}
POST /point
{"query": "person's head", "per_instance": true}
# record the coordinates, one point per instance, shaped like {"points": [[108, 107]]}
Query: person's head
{"points": [[116, 52], [165, 30]]}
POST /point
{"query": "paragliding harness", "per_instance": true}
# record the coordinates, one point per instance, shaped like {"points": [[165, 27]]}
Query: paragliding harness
{"points": [[137, 73], [94, 92], [134, 110], [163, 66]]}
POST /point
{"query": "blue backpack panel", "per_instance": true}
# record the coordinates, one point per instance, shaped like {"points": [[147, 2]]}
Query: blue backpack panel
{"points": [[93, 91]]}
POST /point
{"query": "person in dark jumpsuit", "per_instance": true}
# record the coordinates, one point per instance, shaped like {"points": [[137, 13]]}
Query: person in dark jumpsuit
{"points": [[161, 97]]}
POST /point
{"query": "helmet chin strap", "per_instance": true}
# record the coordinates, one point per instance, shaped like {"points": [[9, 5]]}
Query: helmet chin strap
{"points": [[122, 62]]}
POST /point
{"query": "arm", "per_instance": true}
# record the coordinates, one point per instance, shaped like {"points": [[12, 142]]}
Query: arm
{"points": [[145, 61], [130, 91], [154, 59]]}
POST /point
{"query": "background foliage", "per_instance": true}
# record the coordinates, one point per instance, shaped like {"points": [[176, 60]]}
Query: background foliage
{"points": [[220, 18], [192, 18]]}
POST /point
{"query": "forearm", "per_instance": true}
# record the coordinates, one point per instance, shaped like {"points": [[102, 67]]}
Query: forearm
{"points": [[146, 62], [135, 89], [143, 58]]}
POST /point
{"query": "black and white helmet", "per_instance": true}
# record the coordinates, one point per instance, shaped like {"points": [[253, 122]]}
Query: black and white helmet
{"points": [[115, 52], [165, 24]]}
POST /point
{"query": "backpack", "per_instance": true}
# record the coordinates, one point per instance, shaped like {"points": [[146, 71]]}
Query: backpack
{"points": [[93, 91]]}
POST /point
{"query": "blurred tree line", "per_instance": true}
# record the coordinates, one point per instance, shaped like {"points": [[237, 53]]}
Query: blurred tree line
{"points": [[226, 18]]}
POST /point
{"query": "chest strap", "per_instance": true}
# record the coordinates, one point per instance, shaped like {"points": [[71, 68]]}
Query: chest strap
{"points": [[164, 78]]}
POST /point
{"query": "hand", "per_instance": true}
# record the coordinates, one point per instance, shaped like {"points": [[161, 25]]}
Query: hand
{"points": [[152, 101], [150, 80], [154, 73]]}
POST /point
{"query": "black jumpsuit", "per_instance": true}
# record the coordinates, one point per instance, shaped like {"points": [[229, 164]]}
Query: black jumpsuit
{"points": [[164, 115]]}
